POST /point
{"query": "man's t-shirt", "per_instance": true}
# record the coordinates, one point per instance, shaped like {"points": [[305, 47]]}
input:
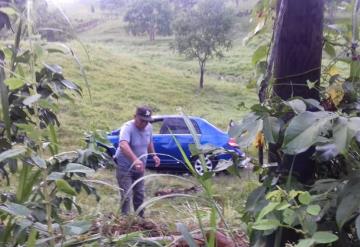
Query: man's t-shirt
{"points": [[138, 141]]}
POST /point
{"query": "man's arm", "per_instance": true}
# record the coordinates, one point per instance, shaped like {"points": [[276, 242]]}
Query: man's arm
{"points": [[151, 150], [127, 151]]}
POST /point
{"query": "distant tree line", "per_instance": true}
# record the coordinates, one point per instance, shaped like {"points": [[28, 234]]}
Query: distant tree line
{"points": [[201, 28]]}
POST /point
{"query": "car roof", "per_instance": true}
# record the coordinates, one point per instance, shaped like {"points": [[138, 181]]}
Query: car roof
{"points": [[173, 116]]}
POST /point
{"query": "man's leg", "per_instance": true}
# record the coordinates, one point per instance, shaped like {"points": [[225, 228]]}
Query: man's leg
{"points": [[139, 192], [124, 180]]}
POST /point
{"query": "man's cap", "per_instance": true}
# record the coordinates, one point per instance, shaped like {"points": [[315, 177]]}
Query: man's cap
{"points": [[144, 113]]}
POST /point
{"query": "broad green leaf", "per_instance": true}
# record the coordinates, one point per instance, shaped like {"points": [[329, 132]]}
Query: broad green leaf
{"points": [[323, 237], [77, 227], [65, 187], [254, 198], [308, 242], [260, 53], [289, 216], [308, 223], [55, 176], [267, 209], [31, 99], [304, 131], [313, 103], [266, 224], [14, 83], [271, 128], [357, 225], [41, 163], [298, 106], [74, 167], [305, 198], [12, 153], [344, 131], [283, 205], [329, 49], [347, 209], [15, 209], [54, 68], [313, 209], [245, 132]]}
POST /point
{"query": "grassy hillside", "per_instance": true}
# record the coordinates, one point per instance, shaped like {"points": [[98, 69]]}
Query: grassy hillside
{"points": [[125, 71]]}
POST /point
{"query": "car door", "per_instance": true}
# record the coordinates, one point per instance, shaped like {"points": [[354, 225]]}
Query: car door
{"points": [[165, 130]]}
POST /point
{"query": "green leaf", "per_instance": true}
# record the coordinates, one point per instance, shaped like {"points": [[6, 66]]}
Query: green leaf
{"points": [[54, 68], [329, 49], [308, 224], [283, 205], [289, 216], [12, 153], [313, 209], [245, 132], [357, 225], [271, 128], [65, 187], [31, 99], [298, 106], [41, 163], [266, 224], [344, 131], [305, 198], [31, 242], [347, 209], [55, 176], [267, 209], [260, 53], [75, 167], [323, 237], [14, 83], [15, 209], [77, 228], [304, 130], [308, 242], [254, 198]]}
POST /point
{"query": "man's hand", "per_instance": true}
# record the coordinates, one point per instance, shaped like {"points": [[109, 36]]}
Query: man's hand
{"points": [[139, 165], [157, 160]]}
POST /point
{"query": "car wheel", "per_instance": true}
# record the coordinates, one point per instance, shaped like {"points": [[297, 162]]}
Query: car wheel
{"points": [[210, 165]]}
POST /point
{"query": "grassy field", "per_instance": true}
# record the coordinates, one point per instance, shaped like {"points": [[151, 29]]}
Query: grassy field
{"points": [[124, 72]]}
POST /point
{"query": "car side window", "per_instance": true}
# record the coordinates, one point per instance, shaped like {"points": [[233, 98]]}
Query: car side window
{"points": [[177, 126], [156, 125]]}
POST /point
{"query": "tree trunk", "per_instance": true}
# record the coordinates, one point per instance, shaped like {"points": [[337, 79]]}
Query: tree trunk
{"points": [[298, 60], [298, 56], [202, 71]]}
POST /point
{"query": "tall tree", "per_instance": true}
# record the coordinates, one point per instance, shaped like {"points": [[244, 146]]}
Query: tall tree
{"points": [[149, 16], [297, 62], [203, 32]]}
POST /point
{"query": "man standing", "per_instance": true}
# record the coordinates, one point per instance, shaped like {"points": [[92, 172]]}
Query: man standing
{"points": [[135, 143]]}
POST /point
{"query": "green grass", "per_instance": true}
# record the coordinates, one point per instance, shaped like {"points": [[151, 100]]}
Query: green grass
{"points": [[229, 191], [133, 71]]}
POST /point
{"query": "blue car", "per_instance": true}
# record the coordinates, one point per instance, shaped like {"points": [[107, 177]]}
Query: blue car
{"points": [[166, 127]]}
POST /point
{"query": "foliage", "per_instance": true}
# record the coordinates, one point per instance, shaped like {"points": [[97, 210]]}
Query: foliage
{"points": [[331, 127], [150, 16], [203, 32], [47, 180]]}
